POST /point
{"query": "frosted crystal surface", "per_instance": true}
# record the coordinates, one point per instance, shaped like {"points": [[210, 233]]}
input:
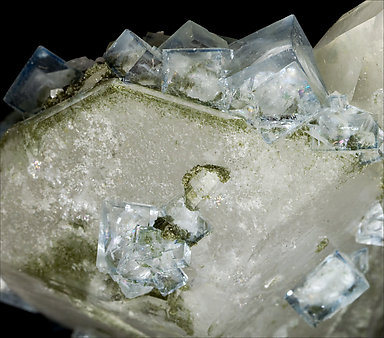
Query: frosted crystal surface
{"points": [[344, 127], [371, 227], [275, 67], [43, 72], [56, 176], [334, 284], [196, 73], [134, 60], [192, 35], [350, 57]]}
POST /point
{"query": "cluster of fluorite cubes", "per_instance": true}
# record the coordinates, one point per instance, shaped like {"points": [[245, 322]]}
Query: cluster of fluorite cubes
{"points": [[269, 78], [144, 247]]}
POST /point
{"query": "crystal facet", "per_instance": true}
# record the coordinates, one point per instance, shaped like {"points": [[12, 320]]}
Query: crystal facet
{"points": [[134, 60], [43, 72], [371, 227], [192, 35], [344, 127], [196, 73], [274, 68], [350, 57], [334, 284]]}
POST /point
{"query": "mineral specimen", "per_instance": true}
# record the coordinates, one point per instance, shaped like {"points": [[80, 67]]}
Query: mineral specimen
{"points": [[334, 284], [275, 211]]}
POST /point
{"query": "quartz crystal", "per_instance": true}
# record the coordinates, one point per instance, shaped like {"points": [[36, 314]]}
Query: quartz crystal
{"points": [[43, 72], [344, 127], [134, 60], [371, 227], [196, 73], [350, 57], [192, 35], [273, 81], [334, 284]]}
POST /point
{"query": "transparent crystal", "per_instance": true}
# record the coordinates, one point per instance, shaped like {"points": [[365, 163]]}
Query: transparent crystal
{"points": [[361, 260], [191, 221], [371, 227], [196, 73], [334, 284], [273, 79], [134, 60], [344, 127], [192, 35], [118, 227], [43, 72]]}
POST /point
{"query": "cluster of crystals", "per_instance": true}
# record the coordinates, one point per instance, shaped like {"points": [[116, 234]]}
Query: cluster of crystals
{"points": [[336, 282], [143, 247], [269, 78]]}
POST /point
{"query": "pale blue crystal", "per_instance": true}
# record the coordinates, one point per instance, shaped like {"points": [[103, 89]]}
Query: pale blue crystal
{"points": [[360, 259], [192, 35], [134, 60], [43, 72], [196, 73], [371, 227], [273, 81], [188, 220], [344, 127], [332, 285]]}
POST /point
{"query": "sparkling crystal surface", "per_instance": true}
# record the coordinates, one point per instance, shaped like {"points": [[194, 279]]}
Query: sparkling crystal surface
{"points": [[43, 72], [275, 67], [192, 35], [134, 60], [196, 73], [334, 284], [371, 227]]}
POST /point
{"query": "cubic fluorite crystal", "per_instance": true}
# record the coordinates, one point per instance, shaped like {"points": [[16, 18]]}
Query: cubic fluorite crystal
{"points": [[334, 284], [273, 80], [43, 72]]}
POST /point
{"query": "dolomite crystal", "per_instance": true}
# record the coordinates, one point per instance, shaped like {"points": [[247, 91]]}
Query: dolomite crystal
{"points": [[276, 212]]}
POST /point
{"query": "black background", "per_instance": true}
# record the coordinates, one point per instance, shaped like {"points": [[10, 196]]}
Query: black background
{"points": [[74, 29]]}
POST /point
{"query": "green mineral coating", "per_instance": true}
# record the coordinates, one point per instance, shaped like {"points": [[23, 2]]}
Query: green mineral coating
{"points": [[178, 314], [322, 245], [222, 173], [169, 230], [64, 266]]}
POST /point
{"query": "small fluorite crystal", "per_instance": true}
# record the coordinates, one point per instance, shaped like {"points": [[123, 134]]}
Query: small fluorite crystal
{"points": [[334, 284]]}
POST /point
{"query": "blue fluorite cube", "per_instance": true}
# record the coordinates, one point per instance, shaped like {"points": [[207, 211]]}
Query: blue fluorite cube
{"points": [[43, 72], [335, 283]]}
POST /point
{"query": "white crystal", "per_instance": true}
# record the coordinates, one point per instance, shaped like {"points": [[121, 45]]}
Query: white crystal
{"points": [[350, 57]]}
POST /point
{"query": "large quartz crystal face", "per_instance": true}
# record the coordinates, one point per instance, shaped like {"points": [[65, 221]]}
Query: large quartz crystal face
{"points": [[350, 57]]}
